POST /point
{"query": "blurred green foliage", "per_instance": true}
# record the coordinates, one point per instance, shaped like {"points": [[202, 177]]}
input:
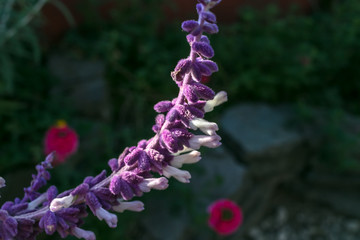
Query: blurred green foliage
{"points": [[307, 59]]}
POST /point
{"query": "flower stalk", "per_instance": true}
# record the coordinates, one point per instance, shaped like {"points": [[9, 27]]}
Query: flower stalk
{"points": [[132, 172]]}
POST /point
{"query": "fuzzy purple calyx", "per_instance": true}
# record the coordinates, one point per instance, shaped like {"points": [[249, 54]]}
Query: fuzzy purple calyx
{"points": [[163, 106], [189, 25], [204, 49]]}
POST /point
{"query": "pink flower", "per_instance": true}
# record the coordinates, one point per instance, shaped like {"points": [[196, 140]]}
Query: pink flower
{"points": [[225, 216], [61, 139]]}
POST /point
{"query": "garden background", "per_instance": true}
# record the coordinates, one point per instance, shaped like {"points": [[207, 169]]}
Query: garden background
{"points": [[102, 65]]}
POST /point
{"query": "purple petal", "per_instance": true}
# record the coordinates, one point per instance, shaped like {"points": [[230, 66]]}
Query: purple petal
{"points": [[126, 191], [52, 192], [196, 31], [189, 25], [142, 144], [115, 185], [195, 112], [190, 38], [143, 162], [163, 106], [172, 115], [209, 16], [203, 49], [189, 94], [169, 141], [210, 28], [211, 65], [50, 222], [204, 39], [195, 71], [205, 71], [17, 208], [122, 156], [132, 157], [204, 91], [182, 67], [98, 178], [200, 7], [82, 189], [92, 202], [113, 164]]}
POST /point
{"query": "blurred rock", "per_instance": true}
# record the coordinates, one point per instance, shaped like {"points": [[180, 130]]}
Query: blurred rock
{"points": [[82, 82], [219, 176], [342, 201], [263, 135], [353, 226]]}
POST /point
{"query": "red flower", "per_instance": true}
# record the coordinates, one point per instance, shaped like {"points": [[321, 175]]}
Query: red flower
{"points": [[61, 139], [225, 216]]}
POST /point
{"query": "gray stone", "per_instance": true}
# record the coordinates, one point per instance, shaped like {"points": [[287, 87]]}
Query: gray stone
{"points": [[343, 201], [259, 127], [82, 82], [266, 141], [221, 176]]}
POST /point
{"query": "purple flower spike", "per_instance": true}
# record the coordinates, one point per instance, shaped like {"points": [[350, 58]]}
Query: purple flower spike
{"points": [[133, 171], [189, 25]]}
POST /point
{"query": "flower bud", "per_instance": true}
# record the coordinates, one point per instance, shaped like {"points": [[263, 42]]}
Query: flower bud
{"points": [[191, 157], [180, 175], [202, 140], [219, 98], [110, 219], [135, 206], [153, 183], [81, 233], [60, 203], [206, 127]]}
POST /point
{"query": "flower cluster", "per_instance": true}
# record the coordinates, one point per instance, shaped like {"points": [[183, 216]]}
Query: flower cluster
{"points": [[134, 171]]}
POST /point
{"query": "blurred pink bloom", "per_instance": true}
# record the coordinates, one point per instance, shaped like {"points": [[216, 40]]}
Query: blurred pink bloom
{"points": [[225, 216], [61, 139]]}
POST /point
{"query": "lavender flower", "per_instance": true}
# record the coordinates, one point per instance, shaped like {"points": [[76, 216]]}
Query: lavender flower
{"points": [[132, 172]]}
